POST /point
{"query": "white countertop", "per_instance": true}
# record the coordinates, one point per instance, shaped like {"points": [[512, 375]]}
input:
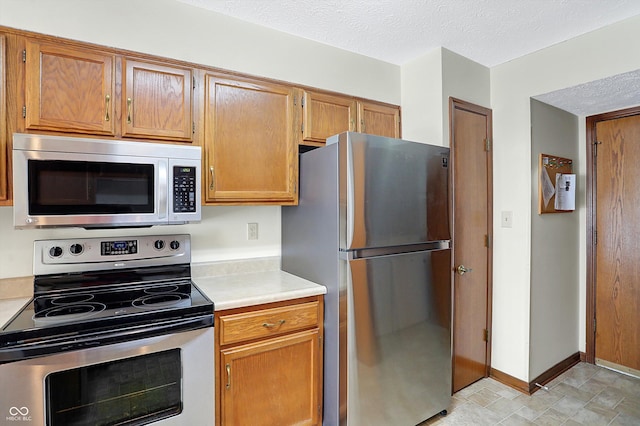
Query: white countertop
{"points": [[255, 288], [9, 307], [226, 291]]}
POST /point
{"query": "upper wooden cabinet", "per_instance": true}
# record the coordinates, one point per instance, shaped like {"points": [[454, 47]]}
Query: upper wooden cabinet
{"points": [[326, 115], [250, 142], [156, 101], [68, 89], [378, 119]]}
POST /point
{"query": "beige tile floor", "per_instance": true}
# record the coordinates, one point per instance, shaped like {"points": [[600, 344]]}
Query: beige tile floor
{"points": [[584, 395]]}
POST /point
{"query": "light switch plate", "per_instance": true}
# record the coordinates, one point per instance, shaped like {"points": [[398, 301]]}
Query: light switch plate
{"points": [[506, 219]]}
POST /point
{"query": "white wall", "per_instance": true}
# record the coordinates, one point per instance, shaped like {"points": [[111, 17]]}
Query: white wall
{"points": [[427, 84], [554, 239], [596, 55], [422, 99], [171, 29]]}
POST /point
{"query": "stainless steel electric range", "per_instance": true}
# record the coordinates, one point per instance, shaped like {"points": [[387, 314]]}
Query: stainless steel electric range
{"points": [[116, 333]]}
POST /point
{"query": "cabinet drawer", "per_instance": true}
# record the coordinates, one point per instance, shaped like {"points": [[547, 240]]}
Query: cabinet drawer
{"points": [[267, 322]]}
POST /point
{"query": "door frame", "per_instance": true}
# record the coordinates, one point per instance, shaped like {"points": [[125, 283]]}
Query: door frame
{"points": [[454, 104], [591, 121]]}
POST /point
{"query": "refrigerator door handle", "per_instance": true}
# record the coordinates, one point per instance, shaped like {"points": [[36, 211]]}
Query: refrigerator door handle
{"points": [[350, 197], [388, 251]]}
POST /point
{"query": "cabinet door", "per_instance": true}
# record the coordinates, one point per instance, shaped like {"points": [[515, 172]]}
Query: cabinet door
{"points": [[272, 382], [378, 119], [68, 89], [4, 160], [157, 101], [250, 142], [326, 115]]}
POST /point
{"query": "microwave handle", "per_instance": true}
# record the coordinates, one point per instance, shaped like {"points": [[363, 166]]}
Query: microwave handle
{"points": [[163, 186]]}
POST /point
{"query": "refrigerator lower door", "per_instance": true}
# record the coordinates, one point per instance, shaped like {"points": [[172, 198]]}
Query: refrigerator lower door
{"points": [[398, 338]]}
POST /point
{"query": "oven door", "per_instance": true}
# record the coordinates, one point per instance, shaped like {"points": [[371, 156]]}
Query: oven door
{"points": [[89, 190], [163, 380]]}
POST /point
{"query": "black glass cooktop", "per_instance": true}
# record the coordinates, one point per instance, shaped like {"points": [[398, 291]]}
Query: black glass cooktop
{"points": [[81, 304]]}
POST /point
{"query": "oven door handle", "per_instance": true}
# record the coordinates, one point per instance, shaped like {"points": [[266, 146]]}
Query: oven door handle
{"points": [[42, 347]]}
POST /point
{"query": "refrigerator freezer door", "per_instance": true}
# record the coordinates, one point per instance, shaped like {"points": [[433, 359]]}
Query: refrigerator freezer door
{"points": [[398, 338], [392, 192]]}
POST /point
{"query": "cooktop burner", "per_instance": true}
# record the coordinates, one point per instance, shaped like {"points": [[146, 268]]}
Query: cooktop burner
{"points": [[101, 285]]}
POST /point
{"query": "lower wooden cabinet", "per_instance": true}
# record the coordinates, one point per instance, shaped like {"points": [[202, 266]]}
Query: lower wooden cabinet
{"points": [[272, 374]]}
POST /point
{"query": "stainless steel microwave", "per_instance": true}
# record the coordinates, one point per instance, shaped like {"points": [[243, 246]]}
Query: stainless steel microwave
{"points": [[93, 183]]}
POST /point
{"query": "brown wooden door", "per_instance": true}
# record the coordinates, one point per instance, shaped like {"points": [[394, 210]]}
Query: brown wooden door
{"points": [[250, 142], [272, 382], [156, 101], [326, 115], [378, 119], [68, 89], [617, 292], [472, 181]]}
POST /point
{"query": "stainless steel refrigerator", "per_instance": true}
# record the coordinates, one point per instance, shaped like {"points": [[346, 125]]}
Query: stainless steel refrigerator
{"points": [[372, 225]]}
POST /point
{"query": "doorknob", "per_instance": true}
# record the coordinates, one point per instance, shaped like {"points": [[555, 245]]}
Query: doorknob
{"points": [[462, 269]]}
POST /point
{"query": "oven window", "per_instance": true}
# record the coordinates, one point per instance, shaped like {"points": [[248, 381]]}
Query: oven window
{"points": [[131, 391], [83, 187]]}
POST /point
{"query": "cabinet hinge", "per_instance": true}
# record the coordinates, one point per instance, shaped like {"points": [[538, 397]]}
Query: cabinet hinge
{"points": [[24, 55], [486, 335], [594, 325], [302, 128], [487, 241], [595, 238], [487, 145], [193, 127], [295, 100], [24, 111], [193, 79], [302, 101]]}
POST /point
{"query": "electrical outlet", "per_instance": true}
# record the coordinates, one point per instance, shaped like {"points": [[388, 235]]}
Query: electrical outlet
{"points": [[252, 231]]}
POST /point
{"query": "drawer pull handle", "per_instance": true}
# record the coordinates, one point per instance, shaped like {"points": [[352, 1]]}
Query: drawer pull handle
{"points": [[228, 368], [271, 325]]}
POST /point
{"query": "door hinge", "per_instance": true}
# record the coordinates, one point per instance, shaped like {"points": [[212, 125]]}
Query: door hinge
{"points": [[24, 111], [485, 337], [487, 145], [487, 241], [24, 55]]}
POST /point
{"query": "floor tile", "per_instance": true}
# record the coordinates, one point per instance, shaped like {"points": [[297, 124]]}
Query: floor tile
{"points": [[585, 395]]}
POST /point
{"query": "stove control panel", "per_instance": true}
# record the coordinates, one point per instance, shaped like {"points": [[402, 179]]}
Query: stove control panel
{"points": [[115, 248], [80, 254]]}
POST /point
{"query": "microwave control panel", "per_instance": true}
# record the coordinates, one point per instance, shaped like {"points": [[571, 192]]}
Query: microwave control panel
{"points": [[184, 189]]}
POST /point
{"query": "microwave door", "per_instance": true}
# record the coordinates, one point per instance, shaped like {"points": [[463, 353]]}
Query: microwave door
{"points": [[89, 191]]}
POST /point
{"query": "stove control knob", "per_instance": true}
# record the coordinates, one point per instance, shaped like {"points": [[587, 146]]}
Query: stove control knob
{"points": [[175, 245], [55, 251], [76, 248], [158, 244]]}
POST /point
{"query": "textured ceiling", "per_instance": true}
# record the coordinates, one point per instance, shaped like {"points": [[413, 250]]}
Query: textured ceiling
{"points": [[489, 32]]}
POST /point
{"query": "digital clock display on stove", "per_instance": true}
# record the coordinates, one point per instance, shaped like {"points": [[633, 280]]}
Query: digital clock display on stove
{"points": [[111, 248]]}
